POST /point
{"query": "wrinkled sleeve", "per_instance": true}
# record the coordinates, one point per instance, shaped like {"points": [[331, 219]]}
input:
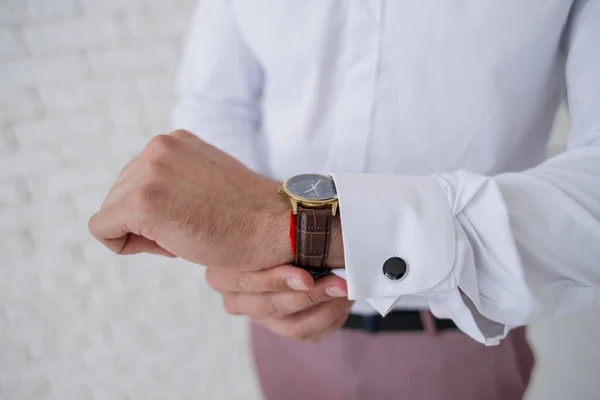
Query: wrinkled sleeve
{"points": [[219, 84], [490, 252]]}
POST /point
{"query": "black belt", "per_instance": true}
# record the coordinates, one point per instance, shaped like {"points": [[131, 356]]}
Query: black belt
{"points": [[395, 321]]}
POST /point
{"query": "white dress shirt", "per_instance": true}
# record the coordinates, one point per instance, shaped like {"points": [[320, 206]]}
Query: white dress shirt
{"points": [[432, 117]]}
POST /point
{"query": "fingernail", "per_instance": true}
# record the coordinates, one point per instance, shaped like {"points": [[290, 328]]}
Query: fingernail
{"points": [[335, 291], [296, 284]]}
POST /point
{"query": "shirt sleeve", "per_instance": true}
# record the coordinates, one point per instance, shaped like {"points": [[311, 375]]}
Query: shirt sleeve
{"points": [[490, 252], [219, 84]]}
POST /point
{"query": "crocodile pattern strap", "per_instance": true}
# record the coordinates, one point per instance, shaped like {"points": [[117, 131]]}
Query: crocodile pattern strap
{"points": [[313, 231]]}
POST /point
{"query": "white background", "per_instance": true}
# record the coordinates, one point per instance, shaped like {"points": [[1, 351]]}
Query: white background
{"points": [[83, 85]]}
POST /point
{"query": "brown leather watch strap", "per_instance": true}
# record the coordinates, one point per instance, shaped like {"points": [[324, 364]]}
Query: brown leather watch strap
{"points": [[313, 231]]}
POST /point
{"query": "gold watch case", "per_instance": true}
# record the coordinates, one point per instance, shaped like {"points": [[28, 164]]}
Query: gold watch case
{"points": [[305, 202]]}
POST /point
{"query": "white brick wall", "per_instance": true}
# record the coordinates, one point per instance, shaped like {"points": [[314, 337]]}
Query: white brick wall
{"points": [[9, 46], [71, 36], [12, 12], [52, 70], [52, 10], [83, 85], [19, 105]]}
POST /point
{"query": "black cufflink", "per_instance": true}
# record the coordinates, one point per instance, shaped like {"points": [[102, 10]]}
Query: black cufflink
{"points": [[395, 268]]}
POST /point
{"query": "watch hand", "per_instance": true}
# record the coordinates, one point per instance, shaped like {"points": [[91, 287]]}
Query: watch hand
{"points": [[317, 184], [310, 190], [315, 188]]}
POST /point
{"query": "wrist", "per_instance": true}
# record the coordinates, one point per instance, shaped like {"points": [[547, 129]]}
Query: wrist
{"points": [[272, 227], [271, 235]]}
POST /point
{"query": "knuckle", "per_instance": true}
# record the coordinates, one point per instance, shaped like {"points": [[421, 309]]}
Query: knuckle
{"points": [[181, 134], [274, 309], [312, 297], [160, 145], [242, 282]]}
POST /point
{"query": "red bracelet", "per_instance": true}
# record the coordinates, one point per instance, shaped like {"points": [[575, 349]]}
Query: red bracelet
{"points": [[293, 232]]}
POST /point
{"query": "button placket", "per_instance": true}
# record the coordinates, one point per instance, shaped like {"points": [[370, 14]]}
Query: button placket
{"points": [[354, 111]]}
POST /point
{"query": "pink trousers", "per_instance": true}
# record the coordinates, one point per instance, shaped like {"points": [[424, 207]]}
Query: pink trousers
{"points": [[355, 365]]}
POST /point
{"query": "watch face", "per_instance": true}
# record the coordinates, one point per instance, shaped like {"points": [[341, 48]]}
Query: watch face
{"points": [[311, 187]]}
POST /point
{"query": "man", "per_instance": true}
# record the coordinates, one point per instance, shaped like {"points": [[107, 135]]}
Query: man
{"points": [[432, 119]]}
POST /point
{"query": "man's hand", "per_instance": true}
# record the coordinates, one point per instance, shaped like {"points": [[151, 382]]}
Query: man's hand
{"points": [[183, 197], [285, 300]]}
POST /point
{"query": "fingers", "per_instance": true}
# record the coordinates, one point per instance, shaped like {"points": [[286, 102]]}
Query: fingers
{"points": [[109, 226], [312, 323], [119, 226], [282, 278], [337, 324], [281, 304]]}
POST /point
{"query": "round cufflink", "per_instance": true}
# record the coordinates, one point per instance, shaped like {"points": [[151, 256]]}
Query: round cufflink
{"points": [[395, 269]]}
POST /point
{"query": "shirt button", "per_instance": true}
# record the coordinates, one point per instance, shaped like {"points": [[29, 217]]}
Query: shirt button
{"points": [[395, 268]]}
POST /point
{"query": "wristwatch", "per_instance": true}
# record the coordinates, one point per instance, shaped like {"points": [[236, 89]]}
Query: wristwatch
{"points": [[314, 204]]}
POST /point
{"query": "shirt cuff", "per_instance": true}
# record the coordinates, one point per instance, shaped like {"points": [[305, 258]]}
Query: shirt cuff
{"points": [[385, 216], [409, 217]]}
